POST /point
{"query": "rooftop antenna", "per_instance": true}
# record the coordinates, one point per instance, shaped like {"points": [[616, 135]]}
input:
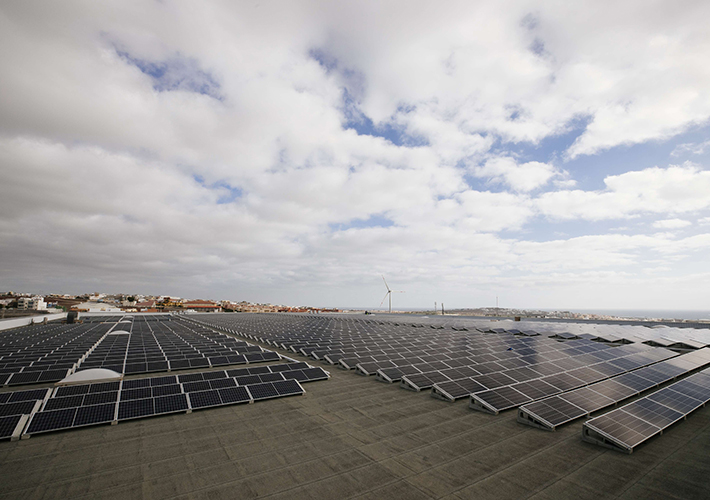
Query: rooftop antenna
{"points": [[389, 294]]}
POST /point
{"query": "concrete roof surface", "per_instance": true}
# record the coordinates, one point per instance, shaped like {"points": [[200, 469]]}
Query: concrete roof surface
{"points": [[350, 437]]}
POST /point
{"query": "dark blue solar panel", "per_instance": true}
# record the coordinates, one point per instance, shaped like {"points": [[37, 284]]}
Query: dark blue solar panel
{"points": [[196, 386], [234, 395], [100, 398], [8, 425], [222, 383], [166, 390], [51, 420], [288, 387], [190, 377], [135, 408], [136, 383], [142, 393], [172, 403], [262, 391], [29, 395], [167, 380], [95, 414], [204, 399], [18, 408], [67, 402]]}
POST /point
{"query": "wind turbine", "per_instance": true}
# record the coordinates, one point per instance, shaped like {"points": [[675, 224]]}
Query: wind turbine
{"points": [[389, 294]]}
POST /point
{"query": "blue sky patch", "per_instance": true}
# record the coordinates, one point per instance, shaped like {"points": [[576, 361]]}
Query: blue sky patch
{"points": [[376, 220], [227, 192], [176, 73]]}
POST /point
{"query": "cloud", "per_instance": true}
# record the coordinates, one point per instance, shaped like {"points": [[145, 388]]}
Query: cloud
{"points": [[696, 148], [520, 177], [262, 152], [671, 224], [673, 190]]}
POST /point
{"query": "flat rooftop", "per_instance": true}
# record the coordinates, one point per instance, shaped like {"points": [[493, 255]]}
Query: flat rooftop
{"points": [[350, 437]]}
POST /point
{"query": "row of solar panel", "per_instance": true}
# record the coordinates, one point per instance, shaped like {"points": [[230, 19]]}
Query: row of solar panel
{"points": [[502, 398], [46, 356], [560, 409], [564, 374], [75, 396], [631, 425], [53, 420], [90, 403], [30, 375], [682, 338], [521, 369], [184, 364]]}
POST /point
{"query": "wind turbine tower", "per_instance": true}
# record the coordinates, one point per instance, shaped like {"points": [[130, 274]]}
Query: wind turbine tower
{"points": [[389, 294]]}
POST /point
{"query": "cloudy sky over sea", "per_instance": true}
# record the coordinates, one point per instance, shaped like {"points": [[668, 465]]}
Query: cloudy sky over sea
{"points": [[554, 154]]}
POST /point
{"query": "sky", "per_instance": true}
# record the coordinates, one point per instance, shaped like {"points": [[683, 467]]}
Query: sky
{"points": [[551, 154]]}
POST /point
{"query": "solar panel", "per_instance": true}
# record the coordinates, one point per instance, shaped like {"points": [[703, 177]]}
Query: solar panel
{"points": [[652, 412], [196, 386], [628, 426], [158, 381], [135, 408], [46, 421], [675, 400], [288, 388], [247, 380], [18, 408], [497, 400], [204, 399], [94, 414], [142, 393], [587, 399], [8, 425], [100, 398], [67, 402], [165, 390], [72, 390], [170, 404], [549, 412], [234, 395], [262, 391], [28, 395]]}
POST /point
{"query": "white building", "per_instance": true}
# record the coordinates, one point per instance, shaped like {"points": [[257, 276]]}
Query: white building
{"points": [[35, 303]]}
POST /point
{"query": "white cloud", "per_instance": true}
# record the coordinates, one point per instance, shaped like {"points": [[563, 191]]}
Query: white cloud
{"points": [[191, 150], [671, 224], [672, 190], [521, 177], [691, 148]]}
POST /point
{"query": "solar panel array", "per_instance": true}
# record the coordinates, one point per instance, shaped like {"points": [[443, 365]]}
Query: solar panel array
{"points": [[48, 353], [100, 403], [581, 372], [497, 365], [141, 346], [44, 353], [455, 360], [15, 407], [558, 410], [627, 427]]}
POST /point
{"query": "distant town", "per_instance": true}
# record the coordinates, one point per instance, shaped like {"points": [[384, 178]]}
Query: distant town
{"points": [[21, 304], [13, 304]]}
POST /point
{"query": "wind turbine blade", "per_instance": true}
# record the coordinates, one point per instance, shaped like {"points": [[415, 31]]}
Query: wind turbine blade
{"points": [[383, 300], [386, 285]]}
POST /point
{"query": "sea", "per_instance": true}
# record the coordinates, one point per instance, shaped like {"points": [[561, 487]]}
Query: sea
{"points": [[691, 315], [649, 313]]}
